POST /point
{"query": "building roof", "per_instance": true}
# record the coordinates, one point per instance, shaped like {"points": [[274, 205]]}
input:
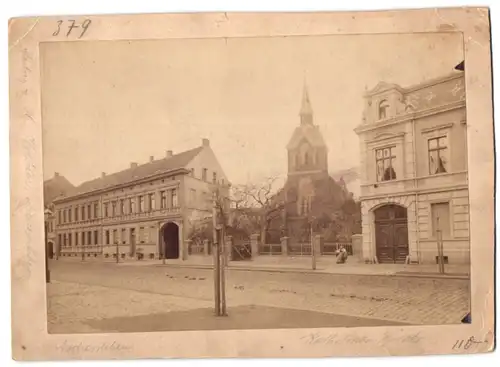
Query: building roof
{"points": [[55, 187], [309, 132], [137, 172]]}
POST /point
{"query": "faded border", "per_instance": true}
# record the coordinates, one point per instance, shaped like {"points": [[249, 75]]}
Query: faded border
{"points": [[29, 321]]}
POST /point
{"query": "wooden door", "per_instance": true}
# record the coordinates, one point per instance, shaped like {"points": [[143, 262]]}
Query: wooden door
{"points": [[391, 234]]}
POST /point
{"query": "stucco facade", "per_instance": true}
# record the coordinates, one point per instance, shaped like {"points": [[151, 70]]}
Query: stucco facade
{"points": [[414, 184], [146, 208]]}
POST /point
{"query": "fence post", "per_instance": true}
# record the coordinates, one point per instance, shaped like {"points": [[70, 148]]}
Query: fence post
{"points": [[284, 246], [254, 244]]}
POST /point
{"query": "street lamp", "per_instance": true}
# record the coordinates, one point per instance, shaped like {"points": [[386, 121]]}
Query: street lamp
{"points": [[46, 215]]}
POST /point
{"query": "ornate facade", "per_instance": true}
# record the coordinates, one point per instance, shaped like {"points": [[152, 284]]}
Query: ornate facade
{"points": [[414, 185]]}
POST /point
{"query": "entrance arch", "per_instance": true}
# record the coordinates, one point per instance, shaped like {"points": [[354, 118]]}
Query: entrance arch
{"points": [[170, 239], [391, 234]]}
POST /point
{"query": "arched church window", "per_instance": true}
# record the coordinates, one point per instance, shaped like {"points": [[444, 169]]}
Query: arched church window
{"points": [[383, 109], [297, 160], [306, 159]]}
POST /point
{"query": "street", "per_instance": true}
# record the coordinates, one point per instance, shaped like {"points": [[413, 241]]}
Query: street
{"points": [[95, 297]]}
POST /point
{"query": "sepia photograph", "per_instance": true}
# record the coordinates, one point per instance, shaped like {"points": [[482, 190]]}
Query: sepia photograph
{"points": [[323, 178], [301, 189]]}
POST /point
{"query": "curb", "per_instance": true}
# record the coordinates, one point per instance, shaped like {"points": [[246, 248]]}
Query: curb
{"points": [[298, 271], [323, 272]]}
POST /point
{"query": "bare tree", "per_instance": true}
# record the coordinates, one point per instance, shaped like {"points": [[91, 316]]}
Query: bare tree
{"points": [[263, 201]]}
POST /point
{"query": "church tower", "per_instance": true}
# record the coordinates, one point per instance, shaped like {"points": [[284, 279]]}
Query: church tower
{"points": [[307, 151]]}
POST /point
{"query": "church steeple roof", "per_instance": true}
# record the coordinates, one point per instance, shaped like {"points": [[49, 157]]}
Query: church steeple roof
{"points": [[306, 108]]}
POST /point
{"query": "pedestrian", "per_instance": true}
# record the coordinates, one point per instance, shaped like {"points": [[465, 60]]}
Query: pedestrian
{"points": [[341, 255]]}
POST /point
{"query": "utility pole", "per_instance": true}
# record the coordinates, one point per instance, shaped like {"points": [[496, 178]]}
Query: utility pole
{"points": [[216, 254]]}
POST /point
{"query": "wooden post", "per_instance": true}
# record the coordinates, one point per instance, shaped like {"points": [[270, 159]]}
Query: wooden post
{"points": [[216, 254], [313, 253], [223, 272]]}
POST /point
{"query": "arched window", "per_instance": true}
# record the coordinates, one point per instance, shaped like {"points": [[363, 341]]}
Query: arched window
{"points": [[306, 159], [383, 108]]}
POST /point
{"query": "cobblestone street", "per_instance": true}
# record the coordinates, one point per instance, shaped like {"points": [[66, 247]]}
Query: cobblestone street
{"points": [[97, 297]]}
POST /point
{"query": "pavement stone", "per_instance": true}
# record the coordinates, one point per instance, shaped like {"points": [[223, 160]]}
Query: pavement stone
{"points": [[412, 300]]}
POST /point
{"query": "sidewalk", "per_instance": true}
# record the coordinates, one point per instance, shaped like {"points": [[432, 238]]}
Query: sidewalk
{"points": [[324, 265]]}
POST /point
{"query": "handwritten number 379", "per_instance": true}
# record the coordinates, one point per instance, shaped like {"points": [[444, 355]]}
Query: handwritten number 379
{"points": [[84, 26]]}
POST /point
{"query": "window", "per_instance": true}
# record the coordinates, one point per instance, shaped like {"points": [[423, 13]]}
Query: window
{"points": [[96, 237], [115, 236], [204, 174], [192, 196], [77, 239], [83, 212], [113, 208], [64, 216], [124, 236], [76, 213], [214, 177], [163, 203], [107, 237], [174, 202], [385, 163], [141, 204], [122, 206], [59, 216], [106, 213], [383, 108], [96, 210], [131, 205], [141, 234], [437, 155], [70, 235], [69, 215], [89, 211], [83, 239], [440, 219], [89, 238], [151, 202]]}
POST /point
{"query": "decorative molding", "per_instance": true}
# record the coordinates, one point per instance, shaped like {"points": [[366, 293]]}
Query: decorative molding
{"points": [[439, 127], [385, 136], [409, 117]]}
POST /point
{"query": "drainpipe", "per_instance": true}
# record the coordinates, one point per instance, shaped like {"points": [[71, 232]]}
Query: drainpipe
{"points": [[415, 185]]}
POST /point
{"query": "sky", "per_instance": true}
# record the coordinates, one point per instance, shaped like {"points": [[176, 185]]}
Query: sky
{"points": [[108, 103]]}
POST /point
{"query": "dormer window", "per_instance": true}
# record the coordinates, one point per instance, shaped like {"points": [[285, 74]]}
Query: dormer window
{"points": [[383, 109]]}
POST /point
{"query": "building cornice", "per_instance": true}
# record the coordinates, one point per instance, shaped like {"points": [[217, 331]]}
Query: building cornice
{"points": [[409, 117], [413, 192], [121, 185]]}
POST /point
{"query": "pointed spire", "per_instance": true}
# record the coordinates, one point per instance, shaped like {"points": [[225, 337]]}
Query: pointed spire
{"points": [[306, 108]]}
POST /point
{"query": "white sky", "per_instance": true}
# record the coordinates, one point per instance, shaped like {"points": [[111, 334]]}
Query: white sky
{"points": [[106, 104]]}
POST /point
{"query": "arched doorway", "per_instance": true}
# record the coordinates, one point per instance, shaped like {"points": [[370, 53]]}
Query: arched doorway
{"points": [[50, 249], [391, 234], [170, 239]]}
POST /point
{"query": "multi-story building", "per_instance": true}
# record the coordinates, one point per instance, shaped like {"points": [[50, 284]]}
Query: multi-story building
{"points": [[52, 188], [414, 184], [146, 209]]}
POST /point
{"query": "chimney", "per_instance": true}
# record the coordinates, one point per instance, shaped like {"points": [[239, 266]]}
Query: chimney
{"points": [[169, 153], [133, 165], [103, 174], [56, 174], [151, 158], [205, 142]]}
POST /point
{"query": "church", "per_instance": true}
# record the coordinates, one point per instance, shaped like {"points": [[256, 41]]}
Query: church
{"points": [[310, 196]]}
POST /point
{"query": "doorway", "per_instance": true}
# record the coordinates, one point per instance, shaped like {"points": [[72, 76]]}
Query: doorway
{"points": [[391, 234], [170, 236]]}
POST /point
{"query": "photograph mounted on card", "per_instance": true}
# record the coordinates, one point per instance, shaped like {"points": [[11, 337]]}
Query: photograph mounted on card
{"points": [[190, 185]]}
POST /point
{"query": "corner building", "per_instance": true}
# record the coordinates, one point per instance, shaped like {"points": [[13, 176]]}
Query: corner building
{"points": [[414, 178], [148, 208]]}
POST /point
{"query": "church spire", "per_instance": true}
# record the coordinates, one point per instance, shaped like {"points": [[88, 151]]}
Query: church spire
{"points": [[306, 113]]}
